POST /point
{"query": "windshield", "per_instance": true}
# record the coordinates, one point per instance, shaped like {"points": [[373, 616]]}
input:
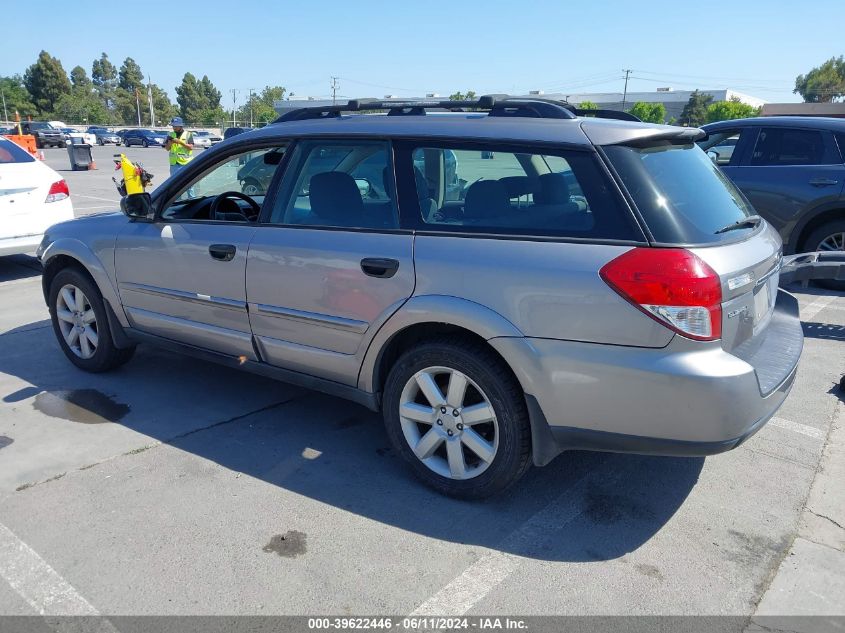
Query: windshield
{"points": [[683, 197], [40, 126]]}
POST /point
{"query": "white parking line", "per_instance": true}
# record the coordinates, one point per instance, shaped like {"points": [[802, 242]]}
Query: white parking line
{"points": [[797, 427], [79, 195], [815, 307], [480, 578], [36, 582]]}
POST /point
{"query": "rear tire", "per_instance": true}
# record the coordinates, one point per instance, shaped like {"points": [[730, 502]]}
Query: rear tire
{"points": [[481, 445], [145, 143], [81, 324], [826, 238]]}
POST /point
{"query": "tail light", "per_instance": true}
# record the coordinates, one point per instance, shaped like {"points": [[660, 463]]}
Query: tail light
{"points": [[58, 191], [671, 285]]}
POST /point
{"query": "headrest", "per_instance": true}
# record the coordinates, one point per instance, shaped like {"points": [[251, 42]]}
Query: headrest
{"points": [[335, 196], [486, 199]]}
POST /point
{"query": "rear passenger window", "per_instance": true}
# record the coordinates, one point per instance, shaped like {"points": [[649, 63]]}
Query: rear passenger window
{"points": [[338, 184], [487, 189], [840, 140], [785, 146]]}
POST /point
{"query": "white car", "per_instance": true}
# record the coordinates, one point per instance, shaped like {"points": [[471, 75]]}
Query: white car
{"points": [[200, 140], [33, 197]]}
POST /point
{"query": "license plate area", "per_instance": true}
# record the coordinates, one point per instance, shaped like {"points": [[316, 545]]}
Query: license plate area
{"points": [[765, 295]]}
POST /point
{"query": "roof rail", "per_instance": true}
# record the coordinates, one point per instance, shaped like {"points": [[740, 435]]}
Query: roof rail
{"points": [[606, 114], [495, 105]]}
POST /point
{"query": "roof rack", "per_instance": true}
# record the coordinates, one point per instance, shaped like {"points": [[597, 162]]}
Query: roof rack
{"points": [[495, 105]]}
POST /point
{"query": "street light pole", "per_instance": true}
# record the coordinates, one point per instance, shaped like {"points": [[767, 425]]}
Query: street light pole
{"points": [[5, 114]]}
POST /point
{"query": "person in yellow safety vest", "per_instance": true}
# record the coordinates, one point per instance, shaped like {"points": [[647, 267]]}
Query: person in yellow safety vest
{"points": [[180, 145]]}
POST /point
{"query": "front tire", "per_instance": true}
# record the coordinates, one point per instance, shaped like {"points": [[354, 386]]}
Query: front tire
{"points": [[145, 143], [81, 325], [455, 412], [829, 237]]}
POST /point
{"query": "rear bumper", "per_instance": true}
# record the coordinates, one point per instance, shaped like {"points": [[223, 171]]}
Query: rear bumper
{"points": [[20, 245], [688, 398]]}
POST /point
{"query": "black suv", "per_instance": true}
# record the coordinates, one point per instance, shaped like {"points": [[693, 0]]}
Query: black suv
{"points": [[45, 134], [792, 169]]}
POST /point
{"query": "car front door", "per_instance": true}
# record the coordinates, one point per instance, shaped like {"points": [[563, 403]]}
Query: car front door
{"points": [[787, 171], [329, 264], [181, 277]]}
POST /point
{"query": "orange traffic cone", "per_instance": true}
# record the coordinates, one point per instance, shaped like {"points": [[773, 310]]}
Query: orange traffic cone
{"points": [[92, 165]]}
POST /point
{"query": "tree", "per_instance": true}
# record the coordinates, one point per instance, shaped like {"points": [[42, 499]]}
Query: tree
{"points": [[80, 81], [649, 112], [695, 110], [460, 96], [199, 101], [82, 107], [46, 81], [823, 84], [17, 97], [130, 75], [164, 109], [104, 77], [588, 105], [733, 109], [259, 107]]}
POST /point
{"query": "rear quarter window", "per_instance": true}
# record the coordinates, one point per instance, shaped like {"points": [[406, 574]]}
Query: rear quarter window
{"points": [[683, 197], [13, 153]]}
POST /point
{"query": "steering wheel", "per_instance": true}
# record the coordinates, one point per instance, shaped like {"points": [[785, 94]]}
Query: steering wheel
{"points": [[229, 195]]}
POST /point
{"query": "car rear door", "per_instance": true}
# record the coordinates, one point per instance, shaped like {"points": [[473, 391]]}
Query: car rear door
{"points": [[788, 170], [181, 277], [328, 264]]}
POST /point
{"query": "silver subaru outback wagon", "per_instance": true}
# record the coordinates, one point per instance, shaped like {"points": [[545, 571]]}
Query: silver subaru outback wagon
{"points": [[503, 283]]}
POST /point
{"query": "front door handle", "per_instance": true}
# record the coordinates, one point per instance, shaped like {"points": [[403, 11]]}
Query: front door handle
{"points": [[379, 267], [222, 252], [823, 182]]}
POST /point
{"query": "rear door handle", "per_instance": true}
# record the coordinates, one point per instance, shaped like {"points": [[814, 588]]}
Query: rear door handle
{"points": [[222, 252], [823, 182], [379, 267]]}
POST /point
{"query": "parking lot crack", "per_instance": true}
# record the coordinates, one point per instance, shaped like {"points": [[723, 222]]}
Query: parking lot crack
{"points": [[826, 518]]}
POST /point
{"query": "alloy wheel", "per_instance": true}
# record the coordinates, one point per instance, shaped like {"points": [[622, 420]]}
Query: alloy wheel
{"points": [[77, 321], [449, 423], [834, 242]]}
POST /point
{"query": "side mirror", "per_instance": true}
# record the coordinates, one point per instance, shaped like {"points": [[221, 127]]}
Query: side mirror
{"points": [[137, 206], [713, 155], [364, 187]]}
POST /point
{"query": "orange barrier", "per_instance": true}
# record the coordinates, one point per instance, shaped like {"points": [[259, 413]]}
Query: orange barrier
{"points": [[27, 141]]}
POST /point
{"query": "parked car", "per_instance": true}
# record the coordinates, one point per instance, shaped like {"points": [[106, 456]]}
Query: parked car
{"points": [[32, 197], [213, 139], [200, 141], [45, 134], [229, 132], [104, 136], [792, 170], [543, 310], [143, 137]]}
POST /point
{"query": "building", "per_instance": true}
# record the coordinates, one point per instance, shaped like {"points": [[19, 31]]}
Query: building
{"points": [[673, 100], [804, 109]]}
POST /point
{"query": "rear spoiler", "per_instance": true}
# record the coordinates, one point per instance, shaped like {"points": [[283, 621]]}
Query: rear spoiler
{"points": [[806, 267]]}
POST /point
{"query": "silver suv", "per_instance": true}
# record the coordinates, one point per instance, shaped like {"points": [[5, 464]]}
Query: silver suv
{"points": [[503, 283]]}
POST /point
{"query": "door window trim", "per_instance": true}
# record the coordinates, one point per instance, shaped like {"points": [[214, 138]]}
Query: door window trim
{"points": [[828, 141]]}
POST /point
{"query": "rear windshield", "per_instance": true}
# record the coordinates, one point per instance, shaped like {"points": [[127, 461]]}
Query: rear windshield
{"points": [[683, 197], [13, 153]]}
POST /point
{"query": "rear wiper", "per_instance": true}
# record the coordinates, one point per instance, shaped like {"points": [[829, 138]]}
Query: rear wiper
{"points": [[750, 222]]}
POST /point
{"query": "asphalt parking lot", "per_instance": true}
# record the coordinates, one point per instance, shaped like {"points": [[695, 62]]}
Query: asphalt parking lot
{"points": [[174, 486]]}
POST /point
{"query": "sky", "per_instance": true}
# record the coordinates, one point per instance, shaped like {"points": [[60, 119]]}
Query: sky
{"points": [[410, 48]]}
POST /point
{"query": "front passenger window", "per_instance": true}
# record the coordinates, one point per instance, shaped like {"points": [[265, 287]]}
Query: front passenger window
{"points": [[338, 184]]}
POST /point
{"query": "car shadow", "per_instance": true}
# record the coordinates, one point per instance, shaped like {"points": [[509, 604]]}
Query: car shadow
{"points": [[828, 331], [13, 267], [581, 507]]}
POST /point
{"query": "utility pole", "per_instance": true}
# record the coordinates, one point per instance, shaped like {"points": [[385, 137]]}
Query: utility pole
{"points": [[625, 93], [234, 101], [5, 114], [138, 104], [250, 106], [150, 98], [334, 90]]}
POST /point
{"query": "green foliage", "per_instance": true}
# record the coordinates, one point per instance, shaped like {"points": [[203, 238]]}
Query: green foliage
{"points": [[164, 109], [588, 105], [695, 110], [469, 95], [199, 101], [46, 81], [733, 109], [260, 106], [649, 112], [130, 76], [104, 77], [823, 84], [17, 97], [81, 107], [79, 78]]}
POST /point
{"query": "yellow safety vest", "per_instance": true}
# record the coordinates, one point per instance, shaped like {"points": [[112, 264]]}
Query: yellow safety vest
{"points": [[180, 155]]}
